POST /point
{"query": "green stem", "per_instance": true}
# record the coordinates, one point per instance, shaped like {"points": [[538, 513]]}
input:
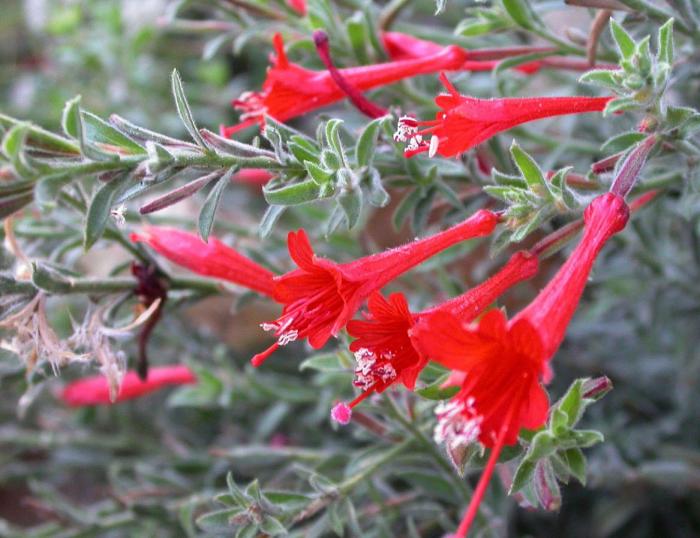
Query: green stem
{"points": [[432, 449]]}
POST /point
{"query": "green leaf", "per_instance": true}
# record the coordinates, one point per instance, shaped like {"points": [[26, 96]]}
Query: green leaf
{"points": [[531, 171], [522, 14], [621, 104], [302, 153], [218, 520], [357, 35], [96, 130], [665, 44], [205, 222], [13, 146], [499, 178], [571, 403], [350, 201], [70, 120], [367, 142], [272, 527], [272, 213], [333, 137], [586, 438], [576, 462], [486, 21], [523, 475], [602, 77], [99, 210], [318, 174], [625, 43], [378, 197], [435, 392], [323, 362], [184, 110], [622, 142], [47, 190], [543, 444], [532, 223], [294, 194], [405, 208], [235, 491]]}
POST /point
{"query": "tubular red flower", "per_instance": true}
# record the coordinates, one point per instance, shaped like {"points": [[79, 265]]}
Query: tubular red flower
{"points": [[464, 122], [505, 361], [321, 296], [552, 309], [291, 90], [383, 348], [94, 390], [401, 46], [209, 259]]}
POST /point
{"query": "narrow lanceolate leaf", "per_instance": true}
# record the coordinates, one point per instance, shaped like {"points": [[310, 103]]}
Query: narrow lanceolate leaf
{"points": [[47, 190], [367, 142], [665, 45], [530, 170], [99, 210], [208, 211], [601, 77], [70, 121], [272, 214], [522, 14], [184, 110], [98, 131], [179, 194], [297, 193], [625, 43], [13, 146]]}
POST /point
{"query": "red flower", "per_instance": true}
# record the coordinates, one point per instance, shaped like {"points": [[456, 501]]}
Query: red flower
{"points": [[291, 90], [504, 361], [384, 350], [321, 296], [466, 121], [95, 390], [209, 259], [298, 5], [404, 47]]}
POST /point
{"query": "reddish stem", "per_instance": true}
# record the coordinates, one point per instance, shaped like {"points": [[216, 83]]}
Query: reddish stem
{"points": [[362, 104]]}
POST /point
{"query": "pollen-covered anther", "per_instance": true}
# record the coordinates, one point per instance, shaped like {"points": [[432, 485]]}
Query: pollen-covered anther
{"points": [[406, 129], [458, 425], [434, 143], [288, 337]]}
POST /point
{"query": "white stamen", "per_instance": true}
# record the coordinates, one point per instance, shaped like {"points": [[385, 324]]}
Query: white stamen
{"points": [[434, 143], [458, 425], [286, 338]]}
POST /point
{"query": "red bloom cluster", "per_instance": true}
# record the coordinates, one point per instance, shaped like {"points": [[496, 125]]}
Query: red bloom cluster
{"points": [[504, 361], [291, 90], [384, 350], [463, 121], [321, 296]]}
